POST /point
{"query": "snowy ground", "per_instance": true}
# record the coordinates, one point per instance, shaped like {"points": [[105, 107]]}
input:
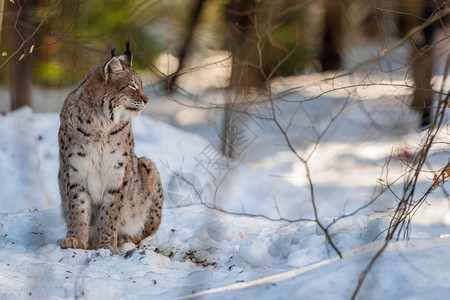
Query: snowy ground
{"points": [[261, 240]]}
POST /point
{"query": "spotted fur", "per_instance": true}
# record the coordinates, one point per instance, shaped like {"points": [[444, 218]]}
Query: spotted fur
{"points": [[109, 195]]}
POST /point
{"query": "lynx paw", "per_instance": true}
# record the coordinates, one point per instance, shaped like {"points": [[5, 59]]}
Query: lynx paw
{"points": [[69, 242], [111, 248]]}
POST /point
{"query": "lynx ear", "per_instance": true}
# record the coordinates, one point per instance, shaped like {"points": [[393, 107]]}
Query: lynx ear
{"points": [[112, 66], [127, 56]]}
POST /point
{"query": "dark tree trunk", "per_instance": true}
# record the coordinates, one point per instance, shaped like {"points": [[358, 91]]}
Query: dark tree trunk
{"points": [[422, 59], [195, 18], [422, 66], [245, 74], [331, 52], [21, 70], [246, 69]]}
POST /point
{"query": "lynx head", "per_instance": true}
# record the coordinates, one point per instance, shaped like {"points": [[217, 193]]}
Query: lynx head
{"points": [[124, 88]]}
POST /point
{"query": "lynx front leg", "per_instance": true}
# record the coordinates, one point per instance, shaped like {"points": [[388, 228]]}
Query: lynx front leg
{"points": [[108, 223], [76, 209]]}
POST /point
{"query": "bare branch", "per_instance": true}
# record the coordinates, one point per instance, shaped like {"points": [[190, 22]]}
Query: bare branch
{"points": [[25, 40]]}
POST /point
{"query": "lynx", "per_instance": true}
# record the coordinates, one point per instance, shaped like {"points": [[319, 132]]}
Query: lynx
{"points": [[109, 195]]}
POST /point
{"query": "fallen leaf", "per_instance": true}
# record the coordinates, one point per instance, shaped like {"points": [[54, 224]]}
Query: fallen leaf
{"points": [[4, 53], [435, 182], [31, 48], [20, 58]]}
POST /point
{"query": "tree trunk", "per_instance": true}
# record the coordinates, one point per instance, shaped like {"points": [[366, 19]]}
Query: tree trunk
{"points": [[331, 52], [422, 60], [195, 18], [246, 69], [422, 66], [21, 70]]}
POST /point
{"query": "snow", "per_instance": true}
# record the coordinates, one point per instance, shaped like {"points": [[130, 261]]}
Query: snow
{"points": [[246, 230]]}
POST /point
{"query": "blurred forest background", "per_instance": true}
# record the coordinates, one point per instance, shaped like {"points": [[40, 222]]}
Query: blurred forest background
{"points": [[52, 43], [221, 58]]}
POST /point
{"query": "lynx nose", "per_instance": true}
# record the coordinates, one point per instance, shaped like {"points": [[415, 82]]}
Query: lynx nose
{"points": [[144, 98]]}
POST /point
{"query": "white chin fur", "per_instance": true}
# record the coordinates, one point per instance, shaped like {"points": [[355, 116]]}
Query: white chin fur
{"points": [[121, 113], [134, 113]]}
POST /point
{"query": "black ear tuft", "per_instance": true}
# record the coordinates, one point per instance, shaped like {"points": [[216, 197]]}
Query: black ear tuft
{"points": [[113, 52], [127, 56]]}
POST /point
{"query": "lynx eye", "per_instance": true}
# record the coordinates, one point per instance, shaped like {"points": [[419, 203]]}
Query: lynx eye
{"points": [[133, 86]]}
